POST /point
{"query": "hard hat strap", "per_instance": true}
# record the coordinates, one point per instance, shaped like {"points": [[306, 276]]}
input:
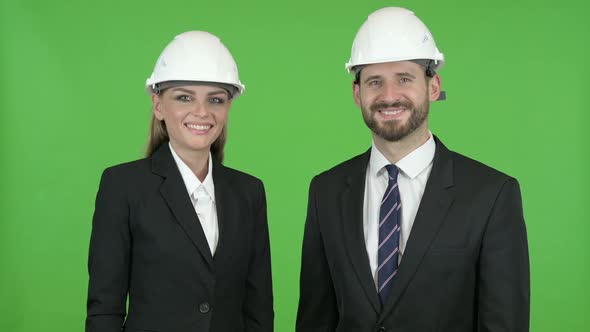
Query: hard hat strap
{"points": [[357, 74], [430, 69]]}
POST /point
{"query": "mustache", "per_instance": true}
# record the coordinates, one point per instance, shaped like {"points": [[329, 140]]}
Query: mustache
{"points": [[405, 104]]}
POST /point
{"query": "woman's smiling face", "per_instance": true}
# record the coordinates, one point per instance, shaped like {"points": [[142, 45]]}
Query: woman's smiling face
{"points": [[194, 115]]}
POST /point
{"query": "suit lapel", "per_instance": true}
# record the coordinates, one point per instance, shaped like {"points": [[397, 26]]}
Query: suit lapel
{"points": [[352, 223], [437, 198], [174, 193]]}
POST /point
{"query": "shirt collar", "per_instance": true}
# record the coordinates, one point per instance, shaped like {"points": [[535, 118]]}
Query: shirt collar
{"points": [[411, 165], [190, 180]]}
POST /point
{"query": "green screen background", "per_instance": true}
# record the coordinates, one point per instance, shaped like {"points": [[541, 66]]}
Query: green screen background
{"points": [[72, 102]]}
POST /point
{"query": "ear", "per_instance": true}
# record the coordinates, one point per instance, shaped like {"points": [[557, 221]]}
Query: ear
{"points": [[434, 88], [356, 93], [157, 107]]}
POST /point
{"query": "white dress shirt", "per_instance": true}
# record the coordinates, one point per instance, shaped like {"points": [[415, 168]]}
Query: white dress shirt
{"points": [[414, 171], [202, 196]]}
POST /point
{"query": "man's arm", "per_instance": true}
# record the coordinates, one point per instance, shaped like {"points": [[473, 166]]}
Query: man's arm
{"points": [[317, 300], [503, 275]]}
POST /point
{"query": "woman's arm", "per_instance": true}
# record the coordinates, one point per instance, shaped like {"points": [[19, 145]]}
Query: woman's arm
{"points": [[109, 258], [258, 306]]}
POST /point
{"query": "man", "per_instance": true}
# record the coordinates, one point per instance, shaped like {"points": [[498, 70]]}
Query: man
{"points": [[410, 236]]}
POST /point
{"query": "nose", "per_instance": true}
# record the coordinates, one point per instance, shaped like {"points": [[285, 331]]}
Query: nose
{"points": [[390, 93], [199, 109]]}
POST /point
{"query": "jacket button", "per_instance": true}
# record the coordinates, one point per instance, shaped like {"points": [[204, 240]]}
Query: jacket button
{"points": [[381, 329], [204, 307]]}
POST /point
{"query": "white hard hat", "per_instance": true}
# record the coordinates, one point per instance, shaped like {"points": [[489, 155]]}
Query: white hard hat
{"points": [[196, 56], [393, 34]]}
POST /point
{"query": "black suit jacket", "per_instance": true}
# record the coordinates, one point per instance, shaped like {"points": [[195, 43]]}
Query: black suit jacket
{"points": [[148, 243], [465, 266]]}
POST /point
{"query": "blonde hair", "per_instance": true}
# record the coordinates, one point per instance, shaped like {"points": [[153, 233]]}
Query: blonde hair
{"points": [[159, 135]]}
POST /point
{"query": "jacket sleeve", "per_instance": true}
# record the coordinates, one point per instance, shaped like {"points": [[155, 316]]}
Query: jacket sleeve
{"points": [[108, 259], [317, 300], [258, 306], [503, 292]]}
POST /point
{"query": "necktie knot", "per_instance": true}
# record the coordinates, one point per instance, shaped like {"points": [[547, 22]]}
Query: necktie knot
{"points": [[392, 170]]}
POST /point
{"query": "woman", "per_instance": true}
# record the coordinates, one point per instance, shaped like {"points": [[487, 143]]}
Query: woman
{"points": [[183, 237]]}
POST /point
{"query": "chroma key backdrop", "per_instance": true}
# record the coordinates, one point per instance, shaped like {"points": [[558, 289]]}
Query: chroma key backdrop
{"points": [[72, 102]]}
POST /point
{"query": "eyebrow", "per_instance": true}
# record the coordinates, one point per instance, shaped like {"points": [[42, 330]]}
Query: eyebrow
{"points": [[190, 92], [223, 91], [402, 74], [405, 74]]}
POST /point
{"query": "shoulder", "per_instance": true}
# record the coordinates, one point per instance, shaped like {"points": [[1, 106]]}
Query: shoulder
{"points": [[474, 179], [239, 178], [466, 169], [129, 170], [471, 170], [337, 177], [243, 186], [350, 167], [120, 182]]}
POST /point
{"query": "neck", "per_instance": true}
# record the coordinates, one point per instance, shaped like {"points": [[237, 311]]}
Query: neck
{"points": [[196, 160], [394, 151]]}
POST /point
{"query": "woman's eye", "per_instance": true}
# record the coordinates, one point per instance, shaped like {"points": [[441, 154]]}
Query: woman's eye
{"points": [[216, 100], [183, 98]]}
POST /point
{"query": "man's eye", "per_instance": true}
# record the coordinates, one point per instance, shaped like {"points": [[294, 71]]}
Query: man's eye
{"points": [[375, 83], [405, 80]]}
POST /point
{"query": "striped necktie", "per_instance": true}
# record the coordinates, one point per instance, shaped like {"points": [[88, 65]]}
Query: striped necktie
{"points": [[389, 231]]}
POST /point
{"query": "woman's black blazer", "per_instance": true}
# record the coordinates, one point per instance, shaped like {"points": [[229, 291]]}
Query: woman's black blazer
{"points": [[147, 246]]}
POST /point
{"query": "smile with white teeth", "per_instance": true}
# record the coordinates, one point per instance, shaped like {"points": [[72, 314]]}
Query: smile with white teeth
{"points": [[392, 112], [198, 127]]}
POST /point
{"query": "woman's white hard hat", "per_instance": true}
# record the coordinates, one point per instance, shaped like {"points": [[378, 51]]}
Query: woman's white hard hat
{"points": [[196, 56]]}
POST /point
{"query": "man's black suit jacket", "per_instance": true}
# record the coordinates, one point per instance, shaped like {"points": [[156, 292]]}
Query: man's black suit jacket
{"points": [[148, 243], [465, 266]]}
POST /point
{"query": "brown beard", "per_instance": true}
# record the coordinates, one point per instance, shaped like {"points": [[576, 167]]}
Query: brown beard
{"points": [[393, 130]]}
